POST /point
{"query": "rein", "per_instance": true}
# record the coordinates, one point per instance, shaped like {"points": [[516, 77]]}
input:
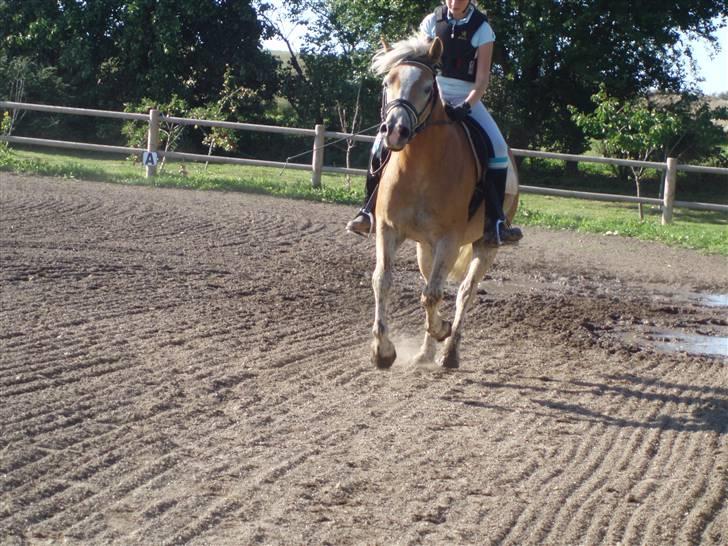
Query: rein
{"points": [[415, 117]]}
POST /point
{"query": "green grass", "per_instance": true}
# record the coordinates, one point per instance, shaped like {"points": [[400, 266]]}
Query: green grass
{"points": [[701, 230], [282, 182]]}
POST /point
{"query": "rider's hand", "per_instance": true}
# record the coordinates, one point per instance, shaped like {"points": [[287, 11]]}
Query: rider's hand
{"points": [[459, 112]]}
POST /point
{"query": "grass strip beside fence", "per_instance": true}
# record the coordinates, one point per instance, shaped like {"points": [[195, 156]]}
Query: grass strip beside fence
{"points": [[700, 230]]}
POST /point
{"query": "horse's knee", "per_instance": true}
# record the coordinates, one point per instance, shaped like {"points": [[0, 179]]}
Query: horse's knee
{"points": [[431, 297], [442, 332]]}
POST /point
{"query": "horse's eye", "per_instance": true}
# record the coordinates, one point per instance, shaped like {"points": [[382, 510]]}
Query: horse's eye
{"points": [[428, 90]]}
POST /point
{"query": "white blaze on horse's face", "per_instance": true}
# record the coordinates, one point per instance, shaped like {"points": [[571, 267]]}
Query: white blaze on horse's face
{"points": [[408, 90]]}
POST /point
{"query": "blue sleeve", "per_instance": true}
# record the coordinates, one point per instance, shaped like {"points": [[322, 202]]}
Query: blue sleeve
{"points": [[427, 26], [483, 35]]}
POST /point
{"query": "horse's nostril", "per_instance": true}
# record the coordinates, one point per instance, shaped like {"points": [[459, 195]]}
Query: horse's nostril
{"points": [[383, 129], [404, 132]]}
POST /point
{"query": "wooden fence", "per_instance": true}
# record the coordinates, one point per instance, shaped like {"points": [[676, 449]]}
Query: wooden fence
{"points": [[317, 167]]}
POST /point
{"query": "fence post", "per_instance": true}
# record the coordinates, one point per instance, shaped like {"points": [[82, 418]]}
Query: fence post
{"points": [[153, 139], [318, 156], [669, 196]]}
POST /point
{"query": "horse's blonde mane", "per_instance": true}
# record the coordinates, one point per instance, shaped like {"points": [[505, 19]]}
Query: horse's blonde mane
{"points": [[414, 48]]}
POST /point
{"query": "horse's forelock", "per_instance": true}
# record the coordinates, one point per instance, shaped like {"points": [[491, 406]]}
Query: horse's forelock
{"points": [[415, 48]]}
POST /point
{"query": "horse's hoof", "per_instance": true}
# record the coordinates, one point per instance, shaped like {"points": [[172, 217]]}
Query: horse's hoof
{"points": [[450, 360], [444, 333], [383, 353], [384, 362]]}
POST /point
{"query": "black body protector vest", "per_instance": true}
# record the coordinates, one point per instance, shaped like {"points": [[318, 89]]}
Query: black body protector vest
{"points": [[458, 56]]}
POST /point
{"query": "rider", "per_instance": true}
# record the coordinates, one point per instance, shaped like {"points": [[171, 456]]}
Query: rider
{"points": [[468, 50]]}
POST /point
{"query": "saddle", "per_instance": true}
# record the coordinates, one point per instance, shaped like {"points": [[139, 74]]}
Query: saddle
{"points": [[482, 149]]}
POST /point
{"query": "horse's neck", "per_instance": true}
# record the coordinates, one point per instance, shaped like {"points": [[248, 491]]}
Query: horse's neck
{"points": [[427, 147]]}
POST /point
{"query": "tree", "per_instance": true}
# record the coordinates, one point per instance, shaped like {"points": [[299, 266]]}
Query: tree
{"points": [[170, 133], [110, 52], [22, 79], [327, 81], [554, 54], [699, 138], [629, 130], [228, 106], [549, 53], [349, 122]]}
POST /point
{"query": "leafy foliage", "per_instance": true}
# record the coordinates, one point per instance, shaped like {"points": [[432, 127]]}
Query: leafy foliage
{"points": [[548, 54], [699, 137], [629, 130], [110, 52], [651, 130], [207, 54], [330, 72]]}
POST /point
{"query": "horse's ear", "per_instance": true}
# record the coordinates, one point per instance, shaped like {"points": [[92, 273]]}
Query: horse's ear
{"points": [[385, 44], [435, 52]]}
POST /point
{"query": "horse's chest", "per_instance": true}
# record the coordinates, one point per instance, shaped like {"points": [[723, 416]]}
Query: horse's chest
{"points": [[416, 221], [411, 210]]}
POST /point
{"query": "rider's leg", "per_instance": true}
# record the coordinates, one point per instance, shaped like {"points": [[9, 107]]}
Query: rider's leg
{"points": [[497, 229], [363, 222]]}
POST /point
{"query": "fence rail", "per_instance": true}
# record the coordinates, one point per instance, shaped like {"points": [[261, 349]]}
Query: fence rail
{"points": [[317, 167]]}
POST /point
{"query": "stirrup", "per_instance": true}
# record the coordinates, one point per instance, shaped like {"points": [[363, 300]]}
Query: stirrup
{"points": [[358, 226], [502, 234]]}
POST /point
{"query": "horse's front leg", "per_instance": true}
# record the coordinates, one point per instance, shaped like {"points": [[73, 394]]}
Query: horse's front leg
{"points": [[383, 351], [482, 260], [443, 258]]}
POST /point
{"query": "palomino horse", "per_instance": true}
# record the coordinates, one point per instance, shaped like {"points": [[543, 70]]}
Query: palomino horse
{"points": [[423, 196]]}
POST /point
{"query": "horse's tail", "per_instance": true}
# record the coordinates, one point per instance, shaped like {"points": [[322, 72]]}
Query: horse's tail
{"points": [[512, 207], [510, 204], [460, 269]]}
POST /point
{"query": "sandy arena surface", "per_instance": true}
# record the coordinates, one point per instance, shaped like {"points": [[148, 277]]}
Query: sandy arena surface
{"points": [[181, 367]]}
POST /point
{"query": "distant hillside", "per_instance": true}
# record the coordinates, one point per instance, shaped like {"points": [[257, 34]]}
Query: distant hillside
{"points": [[712, 101], [283, 56]]}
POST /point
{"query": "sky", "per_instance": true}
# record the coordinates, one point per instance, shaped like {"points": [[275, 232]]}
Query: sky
{"points": [[714, 70], [712, 67]]}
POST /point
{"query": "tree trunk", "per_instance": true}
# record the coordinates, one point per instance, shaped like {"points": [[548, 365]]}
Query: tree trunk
{"points": [[571, 169], [209, 153], [349, 148], [639, 194]]}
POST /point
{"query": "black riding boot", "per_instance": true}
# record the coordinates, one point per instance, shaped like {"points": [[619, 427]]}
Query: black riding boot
{"points": [[497, 229], [363, 222]]}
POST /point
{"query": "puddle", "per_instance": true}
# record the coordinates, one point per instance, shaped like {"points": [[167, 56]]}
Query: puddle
{"points": [[715, 300], [676, 341]]}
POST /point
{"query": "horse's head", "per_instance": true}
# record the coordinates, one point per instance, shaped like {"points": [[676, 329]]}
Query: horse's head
{"points": [[410, 90]]}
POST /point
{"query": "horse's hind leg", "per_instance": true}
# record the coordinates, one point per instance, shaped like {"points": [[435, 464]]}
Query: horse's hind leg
{"points": [[383, 351], [482, 260], [428, 349]]}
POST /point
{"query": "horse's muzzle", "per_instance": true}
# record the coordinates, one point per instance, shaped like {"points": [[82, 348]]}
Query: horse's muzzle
{"points": [[396, 134]]}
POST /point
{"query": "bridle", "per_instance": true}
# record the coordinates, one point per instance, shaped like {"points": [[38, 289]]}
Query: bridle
{"points": [[415, 117]]}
